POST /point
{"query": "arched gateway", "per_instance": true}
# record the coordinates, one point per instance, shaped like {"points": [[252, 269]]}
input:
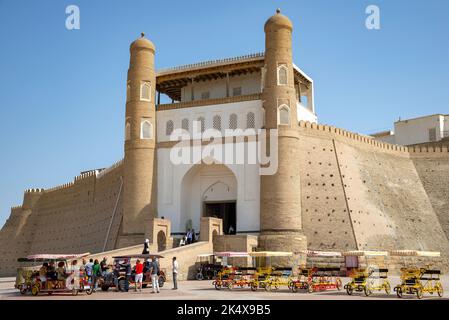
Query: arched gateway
{"points": [[210, 191]]}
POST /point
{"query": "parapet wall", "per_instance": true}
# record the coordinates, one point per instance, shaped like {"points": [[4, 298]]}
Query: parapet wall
{"points": [[75, 217]]}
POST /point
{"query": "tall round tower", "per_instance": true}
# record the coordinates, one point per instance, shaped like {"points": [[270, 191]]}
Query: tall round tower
{"points": [[281, 226], [139, 187]]}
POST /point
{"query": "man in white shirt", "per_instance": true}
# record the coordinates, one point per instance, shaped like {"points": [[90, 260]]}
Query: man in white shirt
{"points": [[175, 267]]}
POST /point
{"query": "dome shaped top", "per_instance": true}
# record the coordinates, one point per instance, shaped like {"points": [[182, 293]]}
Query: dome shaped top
{"points": [[278, 21], [142, 42]]}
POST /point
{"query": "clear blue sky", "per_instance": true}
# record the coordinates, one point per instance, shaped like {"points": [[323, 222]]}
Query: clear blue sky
{"points": [[62, 93]]}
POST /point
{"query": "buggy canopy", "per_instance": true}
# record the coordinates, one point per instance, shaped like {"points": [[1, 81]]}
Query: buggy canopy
{"points": [[138, 256], [45, 257], [270, 254], [232, 254], [360, 253], [313, 253], [414, 253]]}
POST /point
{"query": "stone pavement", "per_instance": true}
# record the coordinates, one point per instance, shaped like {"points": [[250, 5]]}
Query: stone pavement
{"points": [[203, 290]]}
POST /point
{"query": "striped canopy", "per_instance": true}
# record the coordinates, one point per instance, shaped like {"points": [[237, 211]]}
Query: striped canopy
{"points": [[414, 253], [313, 253], [231, 254], [54, 256], [270, 254], [360, 253]]}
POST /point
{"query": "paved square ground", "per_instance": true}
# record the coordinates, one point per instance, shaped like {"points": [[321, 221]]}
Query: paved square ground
{"points": [[203, 290]]}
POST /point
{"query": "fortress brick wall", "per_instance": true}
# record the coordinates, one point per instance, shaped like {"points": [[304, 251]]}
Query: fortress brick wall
{"points": [[71, 218], [359, 193], [432, 165]]}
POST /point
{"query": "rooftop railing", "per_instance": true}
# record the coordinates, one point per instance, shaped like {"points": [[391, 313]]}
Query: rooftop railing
{"points": [[207, 102], [213, 62]]}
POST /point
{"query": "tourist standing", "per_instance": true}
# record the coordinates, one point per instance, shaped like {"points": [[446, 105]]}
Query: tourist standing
{"points": [[116, 274], [154, 275], [189, 236], [127, 273], [193, 235], [146, 246], [104, 266], [139, 276], [96, 273], [175, 267], [88, 269]]}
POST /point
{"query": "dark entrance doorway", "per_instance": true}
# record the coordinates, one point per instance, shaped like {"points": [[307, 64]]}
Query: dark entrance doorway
{"points": [[225, 211]]}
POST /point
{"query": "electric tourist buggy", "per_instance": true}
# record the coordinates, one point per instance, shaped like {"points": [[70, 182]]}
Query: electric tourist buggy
{"points": [[207, 266], [415, 279], [373, 277], [269, 276], [231, 276], [110, 280], [43, 278], [317, 277]]}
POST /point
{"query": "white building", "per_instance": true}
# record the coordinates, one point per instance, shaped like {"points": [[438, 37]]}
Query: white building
{"points": [[424, 129], [223, 94]]}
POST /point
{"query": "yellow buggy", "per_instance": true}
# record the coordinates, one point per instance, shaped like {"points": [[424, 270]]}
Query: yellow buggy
{"points": [[418, 280], [374, 277], [270, 277]]}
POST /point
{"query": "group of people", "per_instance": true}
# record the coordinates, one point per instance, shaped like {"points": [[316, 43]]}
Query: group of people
{"points": [[56, 276], [93, 270], [190, 237]]}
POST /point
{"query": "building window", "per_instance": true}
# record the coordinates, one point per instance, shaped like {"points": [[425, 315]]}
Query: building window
{"points": [[127, 131], [233, 121], [128, 92], [185, 124], [250, 120], [433, 134], [146, 130], [169, 127], [205, 95], [216, 122], [284, 115], [203, 123], [282, 74], [145, 91], [237, 91]]}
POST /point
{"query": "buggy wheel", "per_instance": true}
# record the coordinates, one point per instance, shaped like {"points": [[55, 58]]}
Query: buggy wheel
{"points": [[91, 290], [267, 287], [399, 292], [161, 282], [121, 285], [338, 283], [294, 288], [349, 290], [310, 288], [368, 291], [419, 293], [290, 285], [387, 287], [439, 289], [217, 285], [230, 285], [23, 289], [254, 286], [35, 290]]}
